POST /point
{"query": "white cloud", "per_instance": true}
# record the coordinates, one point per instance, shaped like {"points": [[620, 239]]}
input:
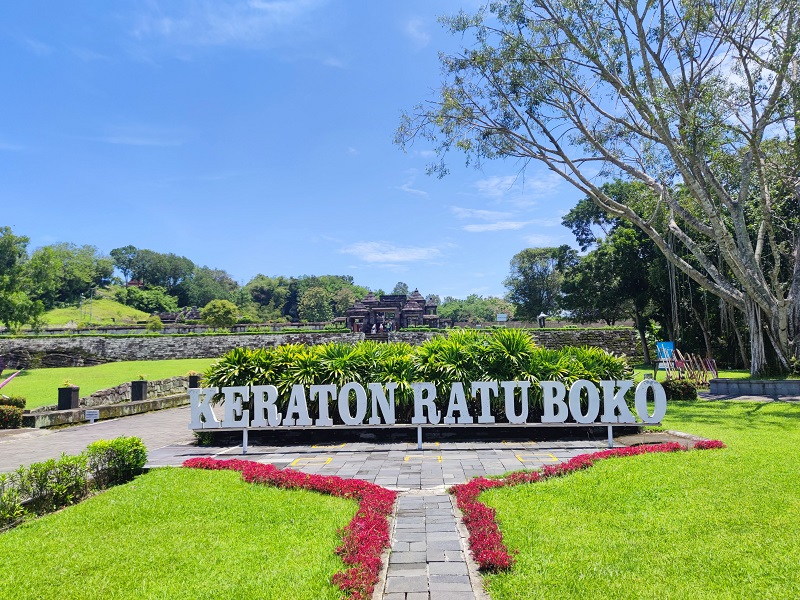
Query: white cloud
{"points": [[518, 189], [37, 47], [425, 153], [540, 240], [87, 55], [333, 62], [496, 186], [497, 226], [408, 186], [386, 252], [474, 213], [222, 22], [352, 151], [415, 30]]}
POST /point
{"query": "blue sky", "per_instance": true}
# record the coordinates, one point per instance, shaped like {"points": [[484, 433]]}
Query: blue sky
{"points": [[254, 136]]}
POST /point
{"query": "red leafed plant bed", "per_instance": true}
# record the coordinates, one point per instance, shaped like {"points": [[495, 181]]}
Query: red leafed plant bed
{"points": [[485, 538], [363, 539]]}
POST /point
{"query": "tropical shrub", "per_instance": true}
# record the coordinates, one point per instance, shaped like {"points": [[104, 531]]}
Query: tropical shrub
{"points": [[10, 417], [680, 389], [53, 483], [154, 324], [17, 401], [116, 461], [11, 509], [461, 356]]}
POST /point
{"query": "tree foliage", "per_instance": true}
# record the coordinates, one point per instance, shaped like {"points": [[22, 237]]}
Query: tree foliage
{"points": [[698, 101], [220, 313], [474, 309], [534, 283]]}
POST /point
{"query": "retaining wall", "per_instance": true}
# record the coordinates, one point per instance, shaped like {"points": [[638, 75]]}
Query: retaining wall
{"points": [[755, 387], [620, 341], [35, 352], [78, 351]]}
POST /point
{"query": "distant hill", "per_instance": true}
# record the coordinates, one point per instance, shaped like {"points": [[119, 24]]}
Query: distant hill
{"points": [[104, 311]]}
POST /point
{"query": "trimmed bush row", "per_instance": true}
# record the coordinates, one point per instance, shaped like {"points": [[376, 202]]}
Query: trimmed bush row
{"points": [[10, 417], [49, 485], [485, 538], [463, 355], [363, 539], [11, 412]]}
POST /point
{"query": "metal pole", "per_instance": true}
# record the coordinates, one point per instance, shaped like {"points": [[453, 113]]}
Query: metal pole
{"points": [[244, 441], [419, 438], [610, 436]]}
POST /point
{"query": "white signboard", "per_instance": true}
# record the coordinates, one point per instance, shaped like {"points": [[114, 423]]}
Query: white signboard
{"points": [[501, 317], [606, 404]]}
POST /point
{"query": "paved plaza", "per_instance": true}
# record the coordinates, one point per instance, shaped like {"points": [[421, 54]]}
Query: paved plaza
{"points": [[429, 559]]}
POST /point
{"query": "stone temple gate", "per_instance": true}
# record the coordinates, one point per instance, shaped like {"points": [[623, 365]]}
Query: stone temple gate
{"points": [[391, 312]]}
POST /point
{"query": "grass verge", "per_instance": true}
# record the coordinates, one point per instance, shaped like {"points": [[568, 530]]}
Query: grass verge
{"points": [[40, 386], [103, 311], [180, 534], [718, 524]]}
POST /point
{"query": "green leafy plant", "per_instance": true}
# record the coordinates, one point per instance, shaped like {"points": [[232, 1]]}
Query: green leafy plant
{"points": [[10, 417], [11, 509], [17, 401], [116, 461], [679, 389], [154, 324]]}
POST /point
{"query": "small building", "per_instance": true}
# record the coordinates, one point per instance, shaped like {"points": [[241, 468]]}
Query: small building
{"points": [[391, 312]]}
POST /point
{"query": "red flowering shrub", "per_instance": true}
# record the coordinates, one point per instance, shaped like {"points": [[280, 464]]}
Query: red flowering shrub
{"points": [[485, 538], [363, 539], [708, 444]]}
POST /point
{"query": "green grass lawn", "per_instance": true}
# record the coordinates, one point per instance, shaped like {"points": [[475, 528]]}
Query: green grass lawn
{"points": [[103, 311], [639, 371], [712, 524], [40, 386], [180, 534]]}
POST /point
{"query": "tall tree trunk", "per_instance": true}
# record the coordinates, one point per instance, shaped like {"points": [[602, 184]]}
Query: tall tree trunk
{"points": [[758, 359], [706, 333], [639, 321], [738, 334]]}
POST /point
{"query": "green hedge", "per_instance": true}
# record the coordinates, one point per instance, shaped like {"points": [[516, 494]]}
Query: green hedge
{"points": [[462, 355], [17, 401], [680, 389], [10, 417], [51, 484]]}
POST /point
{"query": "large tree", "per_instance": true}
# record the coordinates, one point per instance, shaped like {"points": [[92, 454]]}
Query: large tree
{"points": [[534, 283], [17, 306], [697, 100]]}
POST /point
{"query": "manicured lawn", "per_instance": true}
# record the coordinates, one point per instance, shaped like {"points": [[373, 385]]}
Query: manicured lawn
{"points": [[639, 371], [40, 386], [707, 524], [104, 311], [180, 534]]}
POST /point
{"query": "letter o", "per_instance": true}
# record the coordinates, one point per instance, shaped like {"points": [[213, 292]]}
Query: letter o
{"points": [[575, 401], [659, 400]]}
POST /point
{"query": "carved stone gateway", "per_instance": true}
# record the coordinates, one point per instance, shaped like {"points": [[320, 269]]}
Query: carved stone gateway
{"points": [[391, 312]]}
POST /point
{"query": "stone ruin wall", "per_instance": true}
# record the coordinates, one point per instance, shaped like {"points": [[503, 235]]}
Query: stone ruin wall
{"points": [[21, 353]]}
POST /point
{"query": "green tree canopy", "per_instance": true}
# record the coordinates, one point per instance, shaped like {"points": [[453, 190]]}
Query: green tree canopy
{"points": [[534, 283], [315, 305], [698, 101], [220, 313]]}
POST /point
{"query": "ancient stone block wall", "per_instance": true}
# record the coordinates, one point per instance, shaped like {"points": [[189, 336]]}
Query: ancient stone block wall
{"points": [[122, 392], [35, 352], [620, 341], [21, 353]]}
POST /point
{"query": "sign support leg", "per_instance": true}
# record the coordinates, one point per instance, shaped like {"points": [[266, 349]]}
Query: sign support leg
{"points": [[244, 441], [610, 436], [419, 438]]}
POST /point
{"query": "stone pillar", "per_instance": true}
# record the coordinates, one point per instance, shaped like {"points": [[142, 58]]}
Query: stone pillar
{"points": [[138, 390], [68, 398]]}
